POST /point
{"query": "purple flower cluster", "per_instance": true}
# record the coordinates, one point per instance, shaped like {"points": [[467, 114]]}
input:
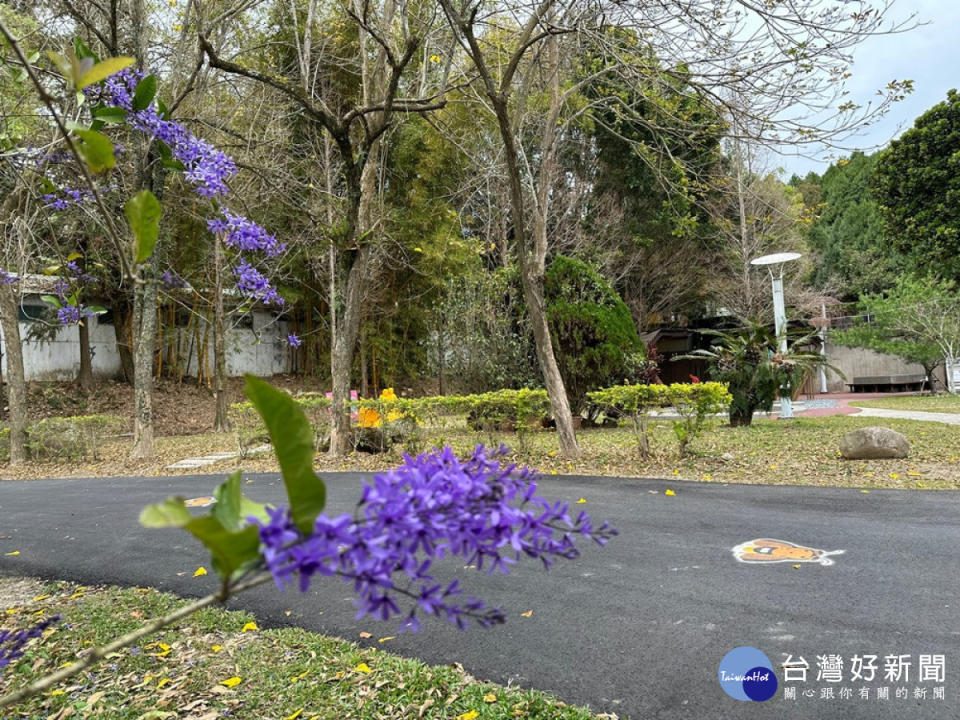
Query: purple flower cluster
{"points": [[71, 314], [255, 285], [172, 281], [294, 341], [72, 311], [244, 234], [8, 278], [13, 642], [432, 506], [64, 197], [207, 168]]}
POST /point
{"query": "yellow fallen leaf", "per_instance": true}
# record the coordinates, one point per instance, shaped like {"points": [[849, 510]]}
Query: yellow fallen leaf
{"points": [[419, 250], [894, 476], [14, 553], [388, 637], [581, 501], [489, 698], [913, 473], [58, 692], [676, 472], [773, 467], [165, 681], [231, 682], [865, 491], [250, 627], [669, 492], [797, 566], [200, 571], [216, 648], [366, 635], [468, 715], [362, 668], [38, 598], [295, 715], [528, 613], [287, 612]]}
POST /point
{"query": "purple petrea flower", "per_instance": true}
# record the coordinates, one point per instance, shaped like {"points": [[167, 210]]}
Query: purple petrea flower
{"points": [[432, 506], [171, 280], [207, 168], [244, 234], [7, 278], [255, 285], [65, 197], [294, 341], [13, 642]]}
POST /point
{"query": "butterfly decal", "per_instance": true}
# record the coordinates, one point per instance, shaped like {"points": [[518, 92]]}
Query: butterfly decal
{"points": [[768, 550]]}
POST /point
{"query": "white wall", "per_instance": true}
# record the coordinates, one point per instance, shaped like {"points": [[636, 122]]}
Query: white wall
{"points": [[857, 362], [59, 359]]}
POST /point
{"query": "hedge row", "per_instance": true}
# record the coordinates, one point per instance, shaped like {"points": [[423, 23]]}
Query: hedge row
{"points": [[695, 403], [69, 438]]}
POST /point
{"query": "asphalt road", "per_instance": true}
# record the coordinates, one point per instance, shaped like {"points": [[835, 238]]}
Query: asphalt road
{"points": [[637, 628]]}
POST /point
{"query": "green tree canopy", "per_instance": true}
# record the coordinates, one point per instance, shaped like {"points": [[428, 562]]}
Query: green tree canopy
{"points": [[848, 234], [917, 183]]}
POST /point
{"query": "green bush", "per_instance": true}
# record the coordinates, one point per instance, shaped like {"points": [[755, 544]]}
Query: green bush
{"points": [[251, 431], [592, 329], [71, 438], [694, 402]]}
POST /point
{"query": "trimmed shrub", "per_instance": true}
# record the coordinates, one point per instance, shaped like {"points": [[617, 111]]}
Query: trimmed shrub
{"points": [[694, 402], [72, 438]]}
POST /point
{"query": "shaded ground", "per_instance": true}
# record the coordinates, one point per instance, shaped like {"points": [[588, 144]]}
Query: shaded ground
{"points": [[637, 628]]}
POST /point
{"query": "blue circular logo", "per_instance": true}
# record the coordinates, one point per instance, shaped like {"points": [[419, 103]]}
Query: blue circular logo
{"points": [[746, 674]]}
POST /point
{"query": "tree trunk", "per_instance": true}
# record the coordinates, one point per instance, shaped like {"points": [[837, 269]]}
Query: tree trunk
{"points": [[364, 379], [85, 374], [553, 381], [144, 346], [221, 422], [123, 331], [342, 351], [740, 417], [16, 378]]}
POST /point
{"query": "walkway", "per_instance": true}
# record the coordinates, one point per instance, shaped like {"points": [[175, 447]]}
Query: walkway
{"points": [[839, 404]]}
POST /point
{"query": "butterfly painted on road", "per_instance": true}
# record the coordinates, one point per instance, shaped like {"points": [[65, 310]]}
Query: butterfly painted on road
{"points": [[768, 550]]}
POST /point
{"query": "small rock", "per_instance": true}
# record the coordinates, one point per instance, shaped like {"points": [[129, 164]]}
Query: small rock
{"points": [[871, 443], [727, 457]]}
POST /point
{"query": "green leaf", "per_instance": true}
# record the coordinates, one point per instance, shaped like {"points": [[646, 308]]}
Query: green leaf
{"points": [[143, 213], [292, 440], [172, 512], [96, 149], [103, 70], [82, 51], [143, 95], [229, 548], [52, 300], [110, 114], [96, 309]]}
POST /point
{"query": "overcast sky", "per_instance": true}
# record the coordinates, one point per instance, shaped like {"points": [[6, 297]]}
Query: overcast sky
{"points": [[928, 55]]}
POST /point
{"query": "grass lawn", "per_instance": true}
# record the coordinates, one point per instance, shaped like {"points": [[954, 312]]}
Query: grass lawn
{"points": [[210, 667], [925, 403], [798, 452]]}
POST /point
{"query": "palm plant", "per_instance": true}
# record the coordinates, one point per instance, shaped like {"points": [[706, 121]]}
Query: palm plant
{"points": [[754, 370]]}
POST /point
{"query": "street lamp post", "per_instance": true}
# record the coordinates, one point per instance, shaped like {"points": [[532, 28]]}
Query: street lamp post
{"points": [[779, 313]]}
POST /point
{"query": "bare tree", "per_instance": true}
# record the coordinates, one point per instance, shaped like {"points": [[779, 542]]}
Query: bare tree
{"points": [[390, 36]]}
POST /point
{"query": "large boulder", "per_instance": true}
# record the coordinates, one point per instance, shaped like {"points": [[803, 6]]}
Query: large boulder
{"points": [[872, 443]]}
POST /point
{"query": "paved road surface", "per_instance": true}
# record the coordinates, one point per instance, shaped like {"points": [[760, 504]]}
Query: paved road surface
{"points": [[637, 628]]}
